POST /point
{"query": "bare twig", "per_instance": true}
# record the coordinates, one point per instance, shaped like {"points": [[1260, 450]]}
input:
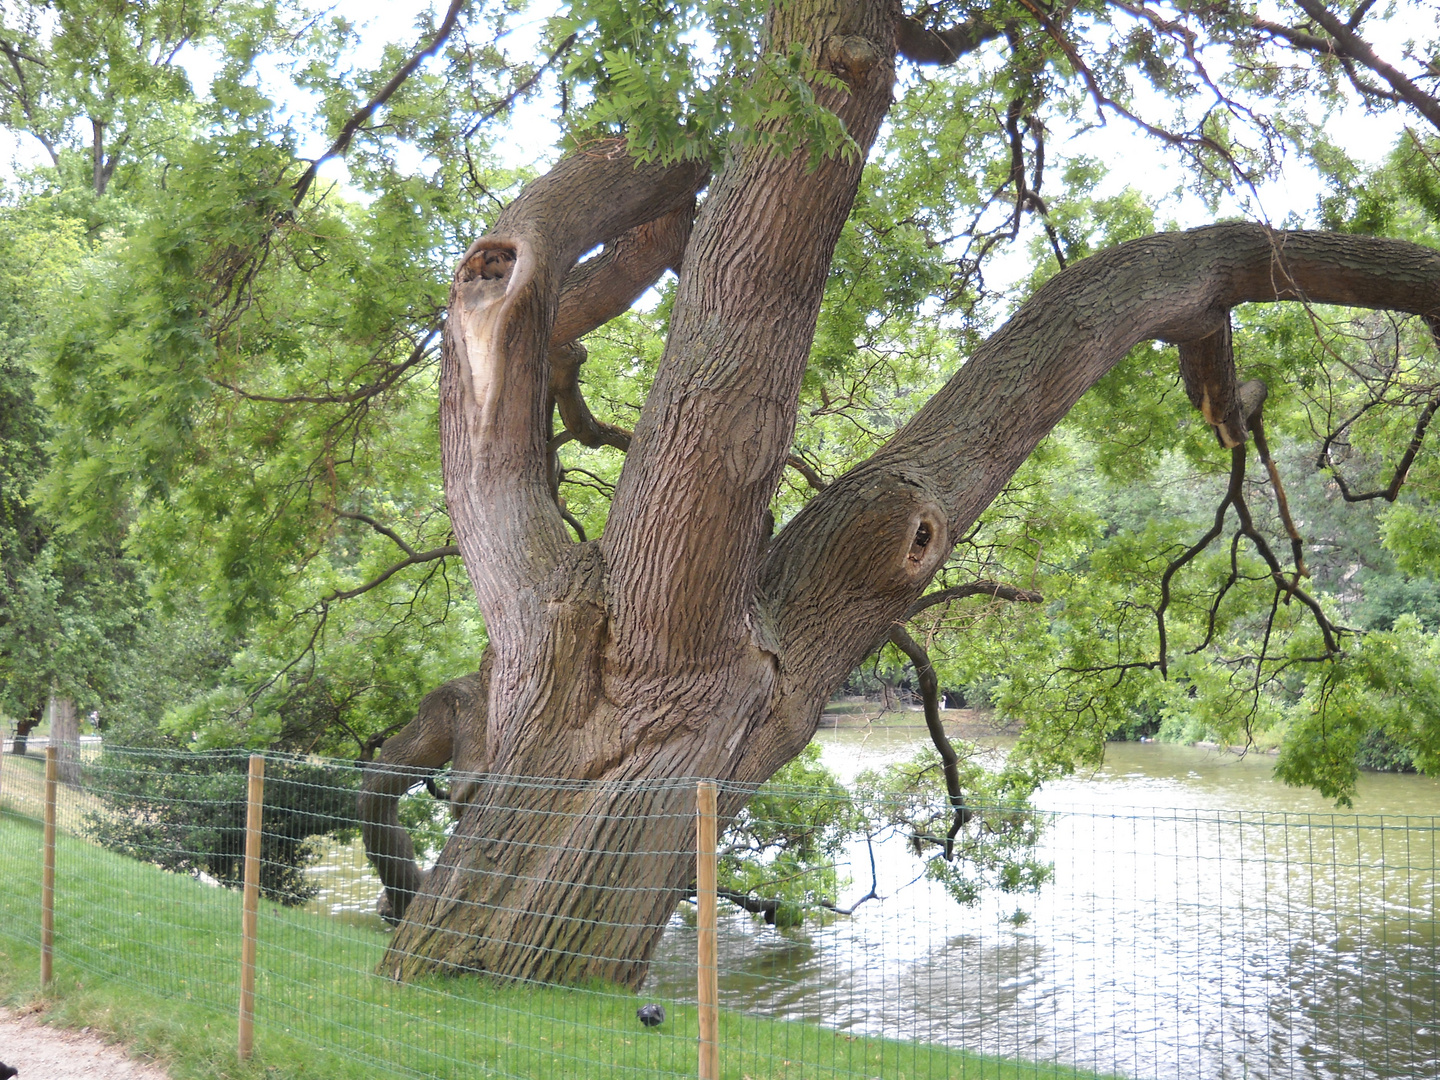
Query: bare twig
{"points": [[993, 589], [1390, 491], [1427, 105], [520, 89], [383, 530], [358, 118], [949, 760], [390, 375], [385, 575]]}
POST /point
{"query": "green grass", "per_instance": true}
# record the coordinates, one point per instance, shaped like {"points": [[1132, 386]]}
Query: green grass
{"points": [[151, 958]]}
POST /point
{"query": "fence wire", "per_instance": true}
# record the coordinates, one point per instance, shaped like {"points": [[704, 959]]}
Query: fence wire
{"points": [[1159, 944]]}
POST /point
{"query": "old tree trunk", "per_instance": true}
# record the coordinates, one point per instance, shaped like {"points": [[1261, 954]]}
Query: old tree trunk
{"points": [[686, 642]]}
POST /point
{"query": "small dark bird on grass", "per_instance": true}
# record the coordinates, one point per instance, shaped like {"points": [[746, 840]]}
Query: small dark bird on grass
{"points": [[6, 1072], [651, 1015]]}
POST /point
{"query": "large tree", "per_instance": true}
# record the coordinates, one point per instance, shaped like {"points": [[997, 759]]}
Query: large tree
{"points": [[248, 377], [687, 640]]}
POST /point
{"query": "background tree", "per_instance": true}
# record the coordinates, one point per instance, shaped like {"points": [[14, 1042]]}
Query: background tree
{"points": [[68, 604]]}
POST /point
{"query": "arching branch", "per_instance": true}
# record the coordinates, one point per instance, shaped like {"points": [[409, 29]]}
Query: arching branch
{"points": [[966, 442], [1349, 43], [607, 285], [509, 291]]}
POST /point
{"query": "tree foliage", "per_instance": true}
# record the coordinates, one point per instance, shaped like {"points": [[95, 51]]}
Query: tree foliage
{"points": [[219, 366]]}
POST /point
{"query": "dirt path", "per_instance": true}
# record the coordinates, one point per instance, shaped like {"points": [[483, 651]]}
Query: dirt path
{"points": [[46, 1053]]}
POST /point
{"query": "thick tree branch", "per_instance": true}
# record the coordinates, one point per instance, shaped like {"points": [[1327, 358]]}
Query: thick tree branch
{"points": [[448, 727], [922, 45], [957, 453], [1207, 368], [580, 423], [357, 119], [608, 285], [1301, 39], [728, 384], [597, 291]]}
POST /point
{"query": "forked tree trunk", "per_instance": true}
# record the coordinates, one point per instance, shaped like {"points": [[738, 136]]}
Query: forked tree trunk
{"points": [[686, 643]]}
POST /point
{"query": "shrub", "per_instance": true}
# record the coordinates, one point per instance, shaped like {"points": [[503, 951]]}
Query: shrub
{"points": [[186, 813]]}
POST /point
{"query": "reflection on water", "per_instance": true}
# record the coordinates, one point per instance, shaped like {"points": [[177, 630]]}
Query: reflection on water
{"points": [[1181, 937], [348, 886]]}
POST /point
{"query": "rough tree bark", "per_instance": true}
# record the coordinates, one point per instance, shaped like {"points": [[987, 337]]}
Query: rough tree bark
{"points": [[65, 737], [686, 642]]}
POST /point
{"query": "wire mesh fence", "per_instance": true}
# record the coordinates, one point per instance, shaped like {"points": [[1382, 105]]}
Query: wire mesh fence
{"points": [[1157, 943]]}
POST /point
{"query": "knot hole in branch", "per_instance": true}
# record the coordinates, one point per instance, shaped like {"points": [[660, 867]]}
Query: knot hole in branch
{"points": [[927, 544], [489, 264], [921, 542]]}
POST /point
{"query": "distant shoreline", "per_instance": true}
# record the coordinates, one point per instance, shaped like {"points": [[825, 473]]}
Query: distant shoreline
{"points": [[967, 723]]}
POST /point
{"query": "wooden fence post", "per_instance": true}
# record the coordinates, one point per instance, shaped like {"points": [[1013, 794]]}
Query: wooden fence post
{"points": [[47, 877], [250, 910], [707, 964]]}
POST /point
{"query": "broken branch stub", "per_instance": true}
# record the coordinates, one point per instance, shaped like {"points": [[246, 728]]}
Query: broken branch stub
{"points": [[1207, 367]]}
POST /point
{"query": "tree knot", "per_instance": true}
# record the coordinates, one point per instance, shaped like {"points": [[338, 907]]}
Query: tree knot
{"points": [[851, 56]]}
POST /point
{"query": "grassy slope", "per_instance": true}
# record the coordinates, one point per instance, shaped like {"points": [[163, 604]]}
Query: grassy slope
{"points": [[152, 958]]}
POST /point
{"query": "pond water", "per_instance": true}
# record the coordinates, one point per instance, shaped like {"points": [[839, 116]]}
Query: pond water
{"points": [[1204, 920]]}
